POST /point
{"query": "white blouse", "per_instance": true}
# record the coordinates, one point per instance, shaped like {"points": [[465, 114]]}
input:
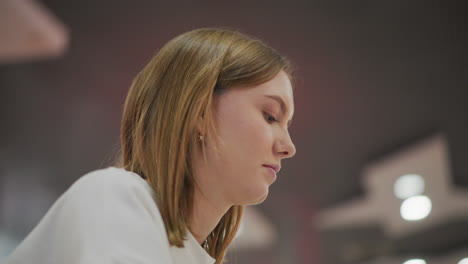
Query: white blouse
{"points": [[108, 217]]}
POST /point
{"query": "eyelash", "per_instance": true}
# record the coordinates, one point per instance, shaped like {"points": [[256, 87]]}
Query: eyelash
{"points": [[268, 116]]}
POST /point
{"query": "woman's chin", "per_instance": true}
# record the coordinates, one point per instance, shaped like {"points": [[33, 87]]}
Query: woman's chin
{"points": [[255, 198]]}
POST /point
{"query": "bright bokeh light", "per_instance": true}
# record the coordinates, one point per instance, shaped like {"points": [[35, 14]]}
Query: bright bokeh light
{"points": [[416, 208], [408, 185], [463, 261], [415, 261]]}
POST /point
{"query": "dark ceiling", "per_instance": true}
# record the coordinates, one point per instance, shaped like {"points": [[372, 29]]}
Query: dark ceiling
{"points": [[372, 77]]}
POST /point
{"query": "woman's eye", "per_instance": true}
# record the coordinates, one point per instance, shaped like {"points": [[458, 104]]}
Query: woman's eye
{"points": [[269, 118]]}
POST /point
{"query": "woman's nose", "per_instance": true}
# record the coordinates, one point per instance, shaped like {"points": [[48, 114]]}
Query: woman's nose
{"points": [[287, 148]]}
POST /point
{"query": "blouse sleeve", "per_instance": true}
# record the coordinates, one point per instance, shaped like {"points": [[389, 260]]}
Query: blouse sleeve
{"points": [[103, 218]]}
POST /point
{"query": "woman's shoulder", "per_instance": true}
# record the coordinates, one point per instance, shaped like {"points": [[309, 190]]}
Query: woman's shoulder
{"points": [[110, 181], [112, 175], [111, 191], [108, 214]]}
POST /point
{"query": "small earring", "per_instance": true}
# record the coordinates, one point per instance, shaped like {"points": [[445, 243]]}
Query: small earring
{"points": [[200, 138]]}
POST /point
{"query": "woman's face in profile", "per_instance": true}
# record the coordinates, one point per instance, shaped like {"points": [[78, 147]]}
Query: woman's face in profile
{"points": [[253, 124]]}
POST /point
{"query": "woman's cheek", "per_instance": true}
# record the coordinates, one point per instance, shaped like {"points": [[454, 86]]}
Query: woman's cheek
{"points": [[263, 134]]}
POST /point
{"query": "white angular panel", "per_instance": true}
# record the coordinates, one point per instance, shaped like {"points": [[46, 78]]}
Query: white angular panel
{"points": [[428, 158]]}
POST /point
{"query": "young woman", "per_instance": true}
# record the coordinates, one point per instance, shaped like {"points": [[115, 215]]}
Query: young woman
{"points": [[204, 130]]}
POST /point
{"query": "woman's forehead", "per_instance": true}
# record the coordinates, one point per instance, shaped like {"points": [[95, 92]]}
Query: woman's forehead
{"points": [[279, 88]]}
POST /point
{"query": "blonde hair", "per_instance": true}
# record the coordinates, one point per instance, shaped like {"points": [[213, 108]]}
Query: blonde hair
{"points": [[169, 99]]}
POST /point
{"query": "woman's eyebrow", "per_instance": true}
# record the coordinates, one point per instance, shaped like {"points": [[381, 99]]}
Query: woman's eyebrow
{"points": [[280, 100]]}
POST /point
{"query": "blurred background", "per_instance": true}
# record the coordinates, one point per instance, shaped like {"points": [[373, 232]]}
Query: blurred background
{"points": [[381, 118]]}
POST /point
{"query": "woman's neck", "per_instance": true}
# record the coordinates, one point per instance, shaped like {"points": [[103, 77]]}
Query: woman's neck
{"points": [[207, 212]]}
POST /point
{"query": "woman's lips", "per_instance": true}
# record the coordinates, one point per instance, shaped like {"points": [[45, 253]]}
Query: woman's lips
{"points": [[271, 170], [276, 168]]}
